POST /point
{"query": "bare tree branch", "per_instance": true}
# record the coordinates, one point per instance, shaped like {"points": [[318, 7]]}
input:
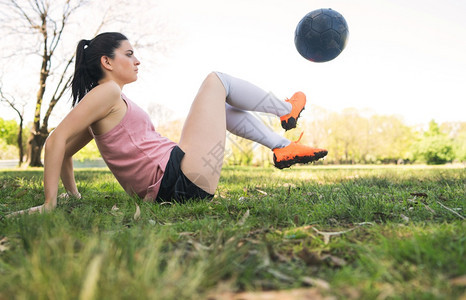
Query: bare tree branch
{"points": [[40, 10], [60, 90], [70, 61], [58, 33], [10, 100], [24, 14]]}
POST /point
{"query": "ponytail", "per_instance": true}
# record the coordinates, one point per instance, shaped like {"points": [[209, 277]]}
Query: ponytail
{"points": [[82, 82], [88, 71]]}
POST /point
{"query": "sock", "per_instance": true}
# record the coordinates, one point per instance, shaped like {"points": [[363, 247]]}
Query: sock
{"points": [[246, 125], [247, 96]]}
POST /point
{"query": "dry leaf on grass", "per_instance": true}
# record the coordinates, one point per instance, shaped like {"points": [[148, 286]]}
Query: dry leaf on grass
{"points": [[4, 245], [451, 210], [429, 209], [198, 246], [280, 275], [327, 235], [333, 260], [405, 218], [243, 218], [115, 211], [317, 282], [137, 214], [262, 192]]}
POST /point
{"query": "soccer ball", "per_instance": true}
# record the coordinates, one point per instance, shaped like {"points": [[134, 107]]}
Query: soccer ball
{"points": [[321, 35]]}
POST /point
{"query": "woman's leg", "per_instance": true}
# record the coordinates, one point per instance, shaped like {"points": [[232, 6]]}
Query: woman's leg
{"points": [[243, 95], [247, 96], [203, 135], [245, 125]]}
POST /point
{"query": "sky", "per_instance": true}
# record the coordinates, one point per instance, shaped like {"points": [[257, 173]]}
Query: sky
{"points": [[402, 58]]}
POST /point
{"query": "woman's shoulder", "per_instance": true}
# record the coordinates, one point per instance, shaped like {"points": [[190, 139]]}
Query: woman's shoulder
{"points": [[107, 92], [110, 88]]}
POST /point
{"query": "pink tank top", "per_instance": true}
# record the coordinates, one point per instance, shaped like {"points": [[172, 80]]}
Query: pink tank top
{"points": [[135, 153]]}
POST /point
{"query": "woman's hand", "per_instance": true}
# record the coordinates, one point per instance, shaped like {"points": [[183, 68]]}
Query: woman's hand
{"points": [[68, 195], [35, 209], [46, 207]]}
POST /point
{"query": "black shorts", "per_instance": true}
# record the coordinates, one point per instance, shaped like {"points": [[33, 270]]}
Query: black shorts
{"points": [[175, 185]]}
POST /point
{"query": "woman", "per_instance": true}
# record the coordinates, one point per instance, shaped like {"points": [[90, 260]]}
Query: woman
{"points": [[144, 162]]}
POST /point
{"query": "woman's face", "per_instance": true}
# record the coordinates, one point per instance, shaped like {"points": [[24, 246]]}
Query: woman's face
{"points": [[124, 64]]}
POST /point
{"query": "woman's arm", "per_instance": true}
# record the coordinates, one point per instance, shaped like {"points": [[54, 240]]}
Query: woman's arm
{"points": [[67, 172], [94, 107], [71, 134], [67, 177]]}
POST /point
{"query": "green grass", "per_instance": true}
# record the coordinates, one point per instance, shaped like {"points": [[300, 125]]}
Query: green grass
{"points": [[260, 232]]}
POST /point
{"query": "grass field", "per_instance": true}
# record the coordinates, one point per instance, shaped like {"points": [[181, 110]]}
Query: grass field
{"points": [[377, 232]]}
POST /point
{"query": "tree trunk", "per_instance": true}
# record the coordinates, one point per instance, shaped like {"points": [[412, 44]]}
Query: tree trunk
{"points": [[39, 134], [36, 144], [20, 142]]}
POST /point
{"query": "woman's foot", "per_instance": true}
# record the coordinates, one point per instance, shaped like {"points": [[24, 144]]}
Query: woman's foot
{"points": [[297, 101], [295, 153]]}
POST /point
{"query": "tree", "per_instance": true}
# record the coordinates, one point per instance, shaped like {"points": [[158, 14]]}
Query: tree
{"points": [[316, 127], [42, 27], [457, 132], [40, 19], [390, 138], [346, 132], [358, 136], [37, 17], [8, 131], [10, 101], [435, 147], [459, 146], [239, 151]]}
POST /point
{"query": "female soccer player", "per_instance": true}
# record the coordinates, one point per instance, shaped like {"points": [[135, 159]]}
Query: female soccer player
{"points": [[144, 162]]}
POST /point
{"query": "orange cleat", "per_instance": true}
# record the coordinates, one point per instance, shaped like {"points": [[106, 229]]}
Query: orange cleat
{"points": [[295, 153], [298, 101]]}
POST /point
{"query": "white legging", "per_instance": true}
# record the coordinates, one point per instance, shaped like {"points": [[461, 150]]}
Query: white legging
{"points": [[241, 97]]}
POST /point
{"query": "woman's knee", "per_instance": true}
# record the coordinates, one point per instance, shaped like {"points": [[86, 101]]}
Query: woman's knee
{"points": [[218, 78], [211, 77]]}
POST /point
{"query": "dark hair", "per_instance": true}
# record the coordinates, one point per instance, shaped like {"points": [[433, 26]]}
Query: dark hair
{"points": [[88, 71]]}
